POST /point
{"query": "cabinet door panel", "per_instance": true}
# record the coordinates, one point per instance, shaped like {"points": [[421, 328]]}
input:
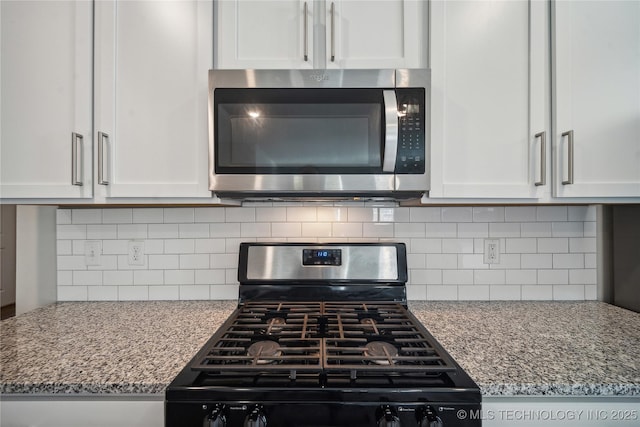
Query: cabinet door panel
{"points": [[485, 97], [264, 34], [46, 96], [375, 34], [597, 96], [152, 100]]}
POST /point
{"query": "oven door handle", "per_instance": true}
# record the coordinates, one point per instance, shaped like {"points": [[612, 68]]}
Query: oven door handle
{"points": [[391, 131]]}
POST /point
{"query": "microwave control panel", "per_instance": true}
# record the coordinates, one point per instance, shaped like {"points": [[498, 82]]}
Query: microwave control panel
{"points": [[411, 131]]}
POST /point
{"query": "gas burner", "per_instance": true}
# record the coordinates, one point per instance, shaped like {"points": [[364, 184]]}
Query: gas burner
{"points": [[264, 351], [377, 350], [275, 324]]}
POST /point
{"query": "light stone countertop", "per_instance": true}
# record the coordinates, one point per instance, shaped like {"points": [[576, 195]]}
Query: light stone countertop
{"points": [[508, 348]]}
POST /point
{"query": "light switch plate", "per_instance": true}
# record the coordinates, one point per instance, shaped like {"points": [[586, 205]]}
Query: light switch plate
{"points": [[92, 252]]}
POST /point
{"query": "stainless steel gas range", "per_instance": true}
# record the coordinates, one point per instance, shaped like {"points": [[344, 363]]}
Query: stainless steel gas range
{"points": [[322, 337]]}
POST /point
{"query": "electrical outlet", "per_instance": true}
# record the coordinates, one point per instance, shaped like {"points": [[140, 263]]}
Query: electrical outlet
{"points": [[136, 252], [491, 251], [92, 252]]}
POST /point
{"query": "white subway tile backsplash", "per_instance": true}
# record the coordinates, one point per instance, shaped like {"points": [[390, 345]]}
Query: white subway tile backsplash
{"points": [[442, 293], [148, 277], [457, 214], [194, 261], [117, 278], [224, 229], [163, 231], [426, 246], [179, 277], [553, 245], [147, 215], [377, 229], [441, 230], [425, 214], [102, 231], [504, 292], [72, 293], [164, 262], [86, 216], [546, 252], [535, 229], [551, 213], [457, 277], [528, 261], [192, 231], [179, 246], [63, 216], [132, 231], [164, 293], [117, 216], [520, 214], [457, 246], [488, 214], [471, 230], [489, 277], [102, 293], [473, 293], [133, 293], [553, 277], [504, 229], [74, 231], [179, 215], [194, 292], [568, 261], [240, 214], [209, 215], [568, 292], [537, 292], [567, 229]]}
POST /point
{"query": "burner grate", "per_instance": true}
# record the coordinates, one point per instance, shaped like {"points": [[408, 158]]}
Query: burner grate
{"points": [[323, 337]]}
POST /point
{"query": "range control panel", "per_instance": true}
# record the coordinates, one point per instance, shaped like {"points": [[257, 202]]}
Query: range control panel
{"points": [[411, 131]]}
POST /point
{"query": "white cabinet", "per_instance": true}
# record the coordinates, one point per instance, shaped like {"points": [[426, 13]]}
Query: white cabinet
{"points": [[490, 85], [596, 98], [298, 34], [46, 133], [151, 66]]}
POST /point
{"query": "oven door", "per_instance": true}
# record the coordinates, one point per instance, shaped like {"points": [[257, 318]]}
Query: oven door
{"points": [[298, 141]]}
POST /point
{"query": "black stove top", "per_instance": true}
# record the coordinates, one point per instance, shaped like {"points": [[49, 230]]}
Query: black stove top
{"points": [[276, 361]]}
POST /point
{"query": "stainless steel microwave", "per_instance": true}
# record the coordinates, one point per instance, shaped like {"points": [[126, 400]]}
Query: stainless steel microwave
{"points": [[319, 133]]}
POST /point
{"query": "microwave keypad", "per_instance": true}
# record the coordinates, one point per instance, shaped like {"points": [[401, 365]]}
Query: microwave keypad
{"points": [[411, 144]]}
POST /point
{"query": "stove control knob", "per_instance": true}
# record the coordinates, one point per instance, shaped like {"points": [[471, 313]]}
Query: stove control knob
{"points": [[256, 418], [427, 417], [387, 417], [216, 418]]}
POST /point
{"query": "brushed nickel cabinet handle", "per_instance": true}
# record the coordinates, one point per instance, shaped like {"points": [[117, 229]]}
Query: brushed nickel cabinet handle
{"points": [[543, 158], [569, 135], [103, 139], [306, 32], [333, 32], [77, 167]]}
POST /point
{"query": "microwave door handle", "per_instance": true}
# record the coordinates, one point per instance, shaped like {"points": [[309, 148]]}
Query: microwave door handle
{"points": [[391, 130]]}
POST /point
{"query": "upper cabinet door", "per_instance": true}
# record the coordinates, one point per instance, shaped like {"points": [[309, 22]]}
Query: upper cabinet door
{"points": [[490, 85], [299, 34], [596, 98], [375, 33], [266, 34], [46, 99], [152, 61]]}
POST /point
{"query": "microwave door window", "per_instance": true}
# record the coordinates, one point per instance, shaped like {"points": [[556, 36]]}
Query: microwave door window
{"points": [[300, 138]]}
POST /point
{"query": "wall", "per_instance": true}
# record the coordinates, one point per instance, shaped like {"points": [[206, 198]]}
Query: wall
{"points": [[547, 252], [36, 232]]}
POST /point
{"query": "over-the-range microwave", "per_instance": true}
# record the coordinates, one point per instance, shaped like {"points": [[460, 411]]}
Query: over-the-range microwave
{"points": [[319, 133]]}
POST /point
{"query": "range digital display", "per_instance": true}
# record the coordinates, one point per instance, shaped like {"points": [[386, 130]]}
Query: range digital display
{"points": [[322, 257]]}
